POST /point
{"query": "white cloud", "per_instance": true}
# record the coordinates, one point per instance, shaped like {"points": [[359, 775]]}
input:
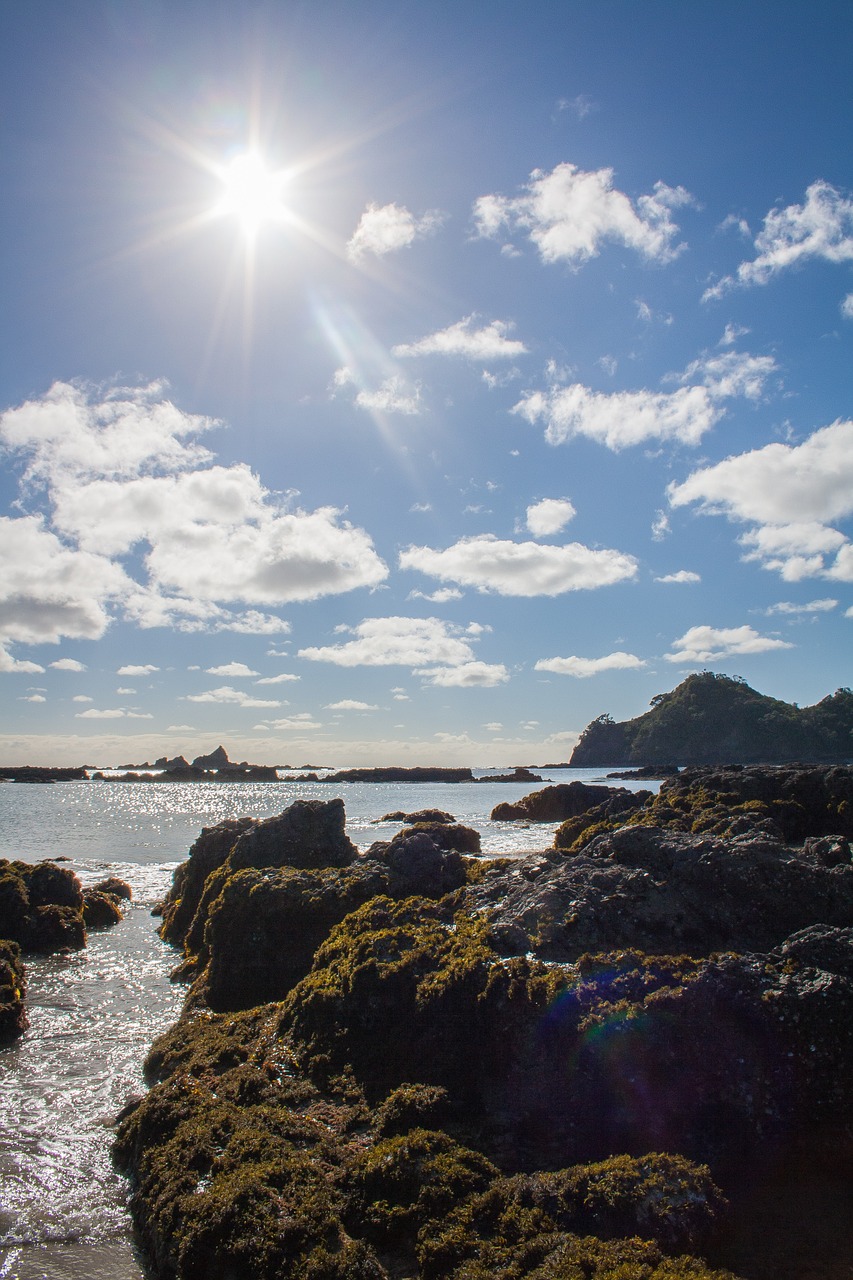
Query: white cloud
{"points": [[130, 693], [462, 339], [731, 373], [82, 697], [133, 669], [494, 726], [410, 642], [48, 590], [227, 695], [350, 704], [67, 664], [609, 364], [521, 568], [442, 596], [779, 483], [619, 419], [731, 333], [581, 105], [81, 431], [394, 395], [94, 714], [300, 720], [569, 214], [549, 516], [465, 675], [389, 227], [660, 526], [33, 697], [813, 606], [18, 665], [583, 668], [819, 228], [284, 678], [712, 644], [214, 535], [682, 576], [847, 307], [231, 669]]}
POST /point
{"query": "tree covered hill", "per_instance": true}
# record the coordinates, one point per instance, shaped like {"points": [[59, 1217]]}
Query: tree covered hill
{"points": [[719, 719]]}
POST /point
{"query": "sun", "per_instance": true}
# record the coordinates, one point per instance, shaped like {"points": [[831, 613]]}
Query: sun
{"points": [[252, 192]]}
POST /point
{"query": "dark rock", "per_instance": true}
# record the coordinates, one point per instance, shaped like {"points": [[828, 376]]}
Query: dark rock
{"points": [[41, 906], [100, 910], [662, 891], [113, 885], [309, 833], [422, 861], [450, 835], [207, 855], [399, 774], [648, 772], [13, 988], [217, 759], [422, 815], [519, 774], [554, 804], [36, 773]]}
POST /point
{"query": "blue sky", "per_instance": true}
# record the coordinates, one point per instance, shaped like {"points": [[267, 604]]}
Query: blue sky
{"points": [[393, 383]]}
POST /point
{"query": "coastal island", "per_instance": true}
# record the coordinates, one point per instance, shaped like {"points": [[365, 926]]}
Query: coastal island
{"points": [[719, 719], [627, 1055]]}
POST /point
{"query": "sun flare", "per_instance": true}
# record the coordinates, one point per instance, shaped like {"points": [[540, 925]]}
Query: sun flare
{"points": [[252, 192]]}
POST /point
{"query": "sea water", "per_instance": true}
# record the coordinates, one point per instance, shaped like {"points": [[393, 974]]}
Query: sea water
{"points": [[93, 1014]]}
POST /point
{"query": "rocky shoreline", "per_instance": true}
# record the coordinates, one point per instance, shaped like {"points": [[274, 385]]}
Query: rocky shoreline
{"points": [[626, 1057]]}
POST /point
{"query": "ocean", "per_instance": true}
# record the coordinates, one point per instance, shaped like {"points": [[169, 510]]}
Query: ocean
{"points": [[93, 1014]]}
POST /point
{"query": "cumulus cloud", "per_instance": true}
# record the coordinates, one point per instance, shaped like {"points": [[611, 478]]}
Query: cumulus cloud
{"points": [[466, 675], [19, 665], [32, 697], [779, 483], [135, 669], [122, 471], [549, 516], [227, 695], [394, 395], [410, 642], [713, 644], [462, 339], [847, 307], [620, 419], [583, 668], [231, 669], [284, 678], [82, 697], [67, 664], [389, 227], [521, 568], [569, 214], [350, 704], [48, 590], [791, 492], [682, 576], [819, 228]]}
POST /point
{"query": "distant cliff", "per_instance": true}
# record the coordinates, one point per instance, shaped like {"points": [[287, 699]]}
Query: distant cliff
{"points": [[718, 719]]}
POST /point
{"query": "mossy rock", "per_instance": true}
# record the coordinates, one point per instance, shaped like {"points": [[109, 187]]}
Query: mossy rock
{"points": [[13, 988], [101, 910], [41, 906]]}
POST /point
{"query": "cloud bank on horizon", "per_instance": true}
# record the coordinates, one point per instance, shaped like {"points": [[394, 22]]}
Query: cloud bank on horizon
{"points": [[508, 412]]}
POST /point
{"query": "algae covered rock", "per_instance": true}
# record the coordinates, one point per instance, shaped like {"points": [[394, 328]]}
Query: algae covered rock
{"points": [[13, 986], [41, 906], [100, 910]]}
